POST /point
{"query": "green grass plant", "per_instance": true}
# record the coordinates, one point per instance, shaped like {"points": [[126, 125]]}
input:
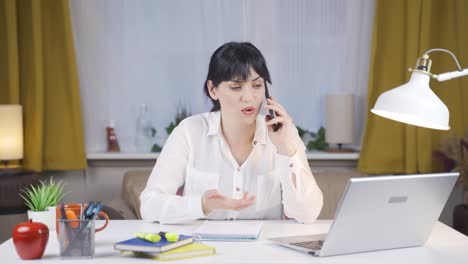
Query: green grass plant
{"points": [[40, 197]]}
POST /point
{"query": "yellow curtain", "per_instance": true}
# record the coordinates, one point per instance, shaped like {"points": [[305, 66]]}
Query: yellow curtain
{"points": [[403, 31], [38, 70]]}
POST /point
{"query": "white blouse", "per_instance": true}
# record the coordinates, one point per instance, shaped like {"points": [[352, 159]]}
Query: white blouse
{"points": [[197, 158]]}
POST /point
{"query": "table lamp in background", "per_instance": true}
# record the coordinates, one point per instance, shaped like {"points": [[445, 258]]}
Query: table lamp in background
{"points": [[339, 128], [13, 178], [11, 134]]}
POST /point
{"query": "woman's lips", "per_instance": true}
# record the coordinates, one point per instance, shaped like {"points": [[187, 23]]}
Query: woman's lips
{"points": [[248, 110]]}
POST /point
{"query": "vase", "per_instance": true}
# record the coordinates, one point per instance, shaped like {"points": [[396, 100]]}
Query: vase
{"points": [[46, 217], [143, 135]]}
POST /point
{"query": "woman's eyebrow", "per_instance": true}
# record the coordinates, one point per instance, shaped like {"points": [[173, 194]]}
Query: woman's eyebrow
{"points": [[241, 81]]}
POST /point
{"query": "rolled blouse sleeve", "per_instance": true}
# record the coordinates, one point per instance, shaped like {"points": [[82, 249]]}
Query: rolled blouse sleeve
{"points": [[304, 201]]}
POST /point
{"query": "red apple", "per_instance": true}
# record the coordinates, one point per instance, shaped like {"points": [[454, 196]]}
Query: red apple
{"points": [[30, 239]]}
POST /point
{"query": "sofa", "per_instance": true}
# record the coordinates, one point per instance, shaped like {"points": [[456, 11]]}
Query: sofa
{"points": [[332, 182]]}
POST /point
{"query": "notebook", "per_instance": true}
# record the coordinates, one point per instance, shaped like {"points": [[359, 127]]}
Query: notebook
{"points": [[229, 230], [141, 245], [192, 250]]}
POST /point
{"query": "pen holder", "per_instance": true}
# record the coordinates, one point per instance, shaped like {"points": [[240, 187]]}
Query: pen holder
{"points": [[76, 208], [76, 238]]}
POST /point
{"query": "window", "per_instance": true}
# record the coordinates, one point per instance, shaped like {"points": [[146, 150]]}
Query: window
{"points": [[157, 52]]}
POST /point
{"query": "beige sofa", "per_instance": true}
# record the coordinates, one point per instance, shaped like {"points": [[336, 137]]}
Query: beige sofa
{"points": [[332, 182]]}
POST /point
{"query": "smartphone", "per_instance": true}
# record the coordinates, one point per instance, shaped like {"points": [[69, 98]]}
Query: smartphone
{"points": [[276, 126]]}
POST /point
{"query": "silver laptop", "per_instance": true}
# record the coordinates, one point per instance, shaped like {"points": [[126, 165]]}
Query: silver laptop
{"points": [[383, 212]]}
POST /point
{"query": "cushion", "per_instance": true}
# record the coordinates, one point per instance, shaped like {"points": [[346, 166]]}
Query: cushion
{"points": [[133, 184]]}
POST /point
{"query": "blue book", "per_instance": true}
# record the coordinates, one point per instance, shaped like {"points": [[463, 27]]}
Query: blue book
{"points": [[141, 245]]}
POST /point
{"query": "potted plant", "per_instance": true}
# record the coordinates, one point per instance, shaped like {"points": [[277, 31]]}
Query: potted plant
{"points": [[181, 114], [313, 141], [42, 199], [453, 155]]}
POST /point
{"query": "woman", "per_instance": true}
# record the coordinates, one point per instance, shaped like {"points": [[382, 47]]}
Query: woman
{"points": [[230, 162]]}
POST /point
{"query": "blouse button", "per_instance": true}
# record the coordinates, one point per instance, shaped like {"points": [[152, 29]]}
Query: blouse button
{"points": [[255, 142], [238, 189], [238, 169], [291, 165]]}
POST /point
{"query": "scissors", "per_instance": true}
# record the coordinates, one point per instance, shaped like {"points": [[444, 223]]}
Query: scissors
{"points": [[92, 210]]}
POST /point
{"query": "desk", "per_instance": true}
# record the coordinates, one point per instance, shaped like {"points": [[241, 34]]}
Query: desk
{"points": [[445, 245]]}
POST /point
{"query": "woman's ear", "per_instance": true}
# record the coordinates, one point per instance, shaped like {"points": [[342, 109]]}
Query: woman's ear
{"points": [[212, 90]]}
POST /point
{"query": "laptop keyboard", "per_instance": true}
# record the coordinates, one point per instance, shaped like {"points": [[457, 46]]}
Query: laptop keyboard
{"points": [[313, 245]]}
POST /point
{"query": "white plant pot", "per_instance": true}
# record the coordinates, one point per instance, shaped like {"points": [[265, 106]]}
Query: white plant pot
{"points": [[46, 217]]}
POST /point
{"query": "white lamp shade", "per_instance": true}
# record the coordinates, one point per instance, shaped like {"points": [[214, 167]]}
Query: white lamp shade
{"points": [[11, 132], [414, 103], [340, 119]]}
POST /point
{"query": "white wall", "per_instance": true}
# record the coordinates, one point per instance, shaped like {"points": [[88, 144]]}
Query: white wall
{"points": [[157, 53]]}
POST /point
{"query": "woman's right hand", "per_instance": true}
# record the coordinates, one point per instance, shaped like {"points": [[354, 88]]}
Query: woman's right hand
{"points": [[213, 200]]}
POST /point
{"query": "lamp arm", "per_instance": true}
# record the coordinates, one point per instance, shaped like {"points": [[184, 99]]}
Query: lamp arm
{"points": [[450, 75], [449, 52]]}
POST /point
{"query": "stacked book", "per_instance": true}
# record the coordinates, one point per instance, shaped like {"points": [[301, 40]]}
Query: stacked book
{"points": [[164, 250]]}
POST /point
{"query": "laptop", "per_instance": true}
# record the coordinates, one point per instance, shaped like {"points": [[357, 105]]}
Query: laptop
{"points": [[377, 213]]}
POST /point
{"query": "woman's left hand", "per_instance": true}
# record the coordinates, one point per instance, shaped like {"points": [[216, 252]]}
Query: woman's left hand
{"points": [[283, 138]]}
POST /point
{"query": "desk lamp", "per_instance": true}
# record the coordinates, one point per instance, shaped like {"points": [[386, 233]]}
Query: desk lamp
{"points": [[414, 102]]}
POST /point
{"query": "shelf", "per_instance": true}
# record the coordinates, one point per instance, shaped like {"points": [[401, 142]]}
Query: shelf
{"points": [[323, 155], [122, 156], [316, 155]]}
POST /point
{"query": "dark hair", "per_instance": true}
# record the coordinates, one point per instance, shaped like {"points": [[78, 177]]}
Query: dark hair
{"points": [[231, 61]]}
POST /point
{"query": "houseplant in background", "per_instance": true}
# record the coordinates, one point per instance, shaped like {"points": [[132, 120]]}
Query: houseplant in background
{"points": [[42, 199], [453, 156], [156, 147], [312, 140], [181, 114]]}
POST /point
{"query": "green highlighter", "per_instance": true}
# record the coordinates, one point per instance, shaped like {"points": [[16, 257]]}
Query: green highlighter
{"points": [[152, 237]]}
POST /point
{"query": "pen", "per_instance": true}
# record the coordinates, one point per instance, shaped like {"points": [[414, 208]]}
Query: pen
{"points": [[88, 210], [83, 243], [81, 213]]}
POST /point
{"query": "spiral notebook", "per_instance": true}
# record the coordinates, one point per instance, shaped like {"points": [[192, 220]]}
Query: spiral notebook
{"points": [[229, 230]]}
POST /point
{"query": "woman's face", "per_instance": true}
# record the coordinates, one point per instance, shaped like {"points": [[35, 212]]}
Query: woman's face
{"points": [[240, 100]]}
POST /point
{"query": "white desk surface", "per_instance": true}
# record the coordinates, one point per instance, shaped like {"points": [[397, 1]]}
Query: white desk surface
{"points": [[445, 245]]}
